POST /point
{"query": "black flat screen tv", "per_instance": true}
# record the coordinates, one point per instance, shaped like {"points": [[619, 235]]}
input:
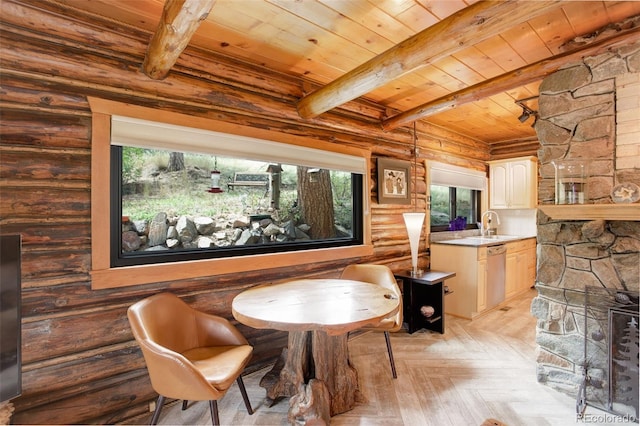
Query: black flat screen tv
{"points": [[10, 317]]}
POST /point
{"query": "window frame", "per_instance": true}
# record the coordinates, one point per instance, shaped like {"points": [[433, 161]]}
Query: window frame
{"points": [[103, 275], [477, 201], [120, 258]]}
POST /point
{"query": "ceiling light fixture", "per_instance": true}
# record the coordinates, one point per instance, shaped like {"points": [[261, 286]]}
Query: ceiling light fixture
{"points": [[524, 116], [526, 111]]}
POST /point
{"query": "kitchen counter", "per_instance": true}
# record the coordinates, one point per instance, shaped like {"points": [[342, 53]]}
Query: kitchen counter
{"points": [[489, 270], [478, 241]]}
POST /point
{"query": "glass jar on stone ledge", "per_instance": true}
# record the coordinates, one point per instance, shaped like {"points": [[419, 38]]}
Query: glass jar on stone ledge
{"points": [[570, 182]]}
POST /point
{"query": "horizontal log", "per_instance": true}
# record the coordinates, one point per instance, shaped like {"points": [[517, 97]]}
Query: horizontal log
{"points": [[59, 280], [508, 154], [45, 14], [46, 185], [81, 369], [55, 263], [44, 203], [84, 403], [136, 412], [44, 166], [44, 130], [51, 236], [203, 293], [106, 38], [456, 160], [48, 336], [392, 252], [185, 91], [27, 94], [437, 134]]}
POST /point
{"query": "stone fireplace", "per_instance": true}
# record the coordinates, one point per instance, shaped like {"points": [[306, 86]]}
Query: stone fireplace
{"points": [[589, 112]]}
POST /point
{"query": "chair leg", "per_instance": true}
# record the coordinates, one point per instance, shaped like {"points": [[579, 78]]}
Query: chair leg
{"points": [[156, 412], [213, 407], [393, 363], [184, 404], [243, 391]]}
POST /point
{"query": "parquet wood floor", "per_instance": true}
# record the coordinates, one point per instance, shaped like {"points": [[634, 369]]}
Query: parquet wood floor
{"points": [[478, 370]]}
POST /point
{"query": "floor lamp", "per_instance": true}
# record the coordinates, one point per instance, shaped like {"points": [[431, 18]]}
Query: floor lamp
{"points": [[413, 221]]}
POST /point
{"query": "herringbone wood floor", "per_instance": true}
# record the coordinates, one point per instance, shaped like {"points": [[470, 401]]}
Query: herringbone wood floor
{"points": [[478, 370]]}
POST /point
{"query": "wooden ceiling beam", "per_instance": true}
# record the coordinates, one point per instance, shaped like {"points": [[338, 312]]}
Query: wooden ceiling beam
{"points": [[516, 78], [468, 26], [179, 21]]}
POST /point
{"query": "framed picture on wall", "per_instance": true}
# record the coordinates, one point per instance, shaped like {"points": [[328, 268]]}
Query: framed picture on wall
{"points": [[394, 178]]}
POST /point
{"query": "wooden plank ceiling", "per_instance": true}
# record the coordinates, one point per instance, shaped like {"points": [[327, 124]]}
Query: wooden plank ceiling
{"points": [[469, 76]]}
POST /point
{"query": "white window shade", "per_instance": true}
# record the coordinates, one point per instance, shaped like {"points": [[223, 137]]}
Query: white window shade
{"points": [[448, 175], [127, 131]]}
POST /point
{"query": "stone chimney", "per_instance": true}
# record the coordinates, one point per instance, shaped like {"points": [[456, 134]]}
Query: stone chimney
{"points": [[590, 112]]}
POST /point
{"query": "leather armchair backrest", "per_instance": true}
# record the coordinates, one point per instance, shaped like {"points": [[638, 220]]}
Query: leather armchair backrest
{"points": [[164, 326], [165, 320], [376, 274]]}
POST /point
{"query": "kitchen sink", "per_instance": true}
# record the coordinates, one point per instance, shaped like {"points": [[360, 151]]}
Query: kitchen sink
{"points": [[491, 238], [477, 240]]}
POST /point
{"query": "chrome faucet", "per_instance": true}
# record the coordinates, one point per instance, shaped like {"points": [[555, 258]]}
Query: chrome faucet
{"points": [[488, 214]]}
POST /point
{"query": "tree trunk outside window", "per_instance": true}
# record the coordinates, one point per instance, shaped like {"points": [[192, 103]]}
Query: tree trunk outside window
{"points": [[316, 201], [176, 162]]}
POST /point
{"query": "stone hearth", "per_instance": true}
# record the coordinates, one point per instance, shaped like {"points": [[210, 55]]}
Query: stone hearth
{"points": [[575, 256]]}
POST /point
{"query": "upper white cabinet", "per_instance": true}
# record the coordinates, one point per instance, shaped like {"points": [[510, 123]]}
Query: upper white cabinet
{"points": [[513, 183]]}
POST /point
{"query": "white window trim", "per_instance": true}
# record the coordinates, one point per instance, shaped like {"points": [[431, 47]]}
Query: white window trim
{"points": [[128, 131], [103, 276], [460, 177]]}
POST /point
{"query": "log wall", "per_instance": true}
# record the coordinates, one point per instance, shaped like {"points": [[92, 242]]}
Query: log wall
{"points": [[80, 362]]}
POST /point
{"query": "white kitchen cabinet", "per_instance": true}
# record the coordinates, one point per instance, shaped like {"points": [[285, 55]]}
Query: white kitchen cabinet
{"points": [[482, 284], [513, 183], [469, 286], [520, 267], [531, 263], [511, 275], [472, 288]]}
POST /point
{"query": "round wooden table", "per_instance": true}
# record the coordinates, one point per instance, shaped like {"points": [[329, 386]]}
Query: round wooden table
{"points": [[318, 314]]}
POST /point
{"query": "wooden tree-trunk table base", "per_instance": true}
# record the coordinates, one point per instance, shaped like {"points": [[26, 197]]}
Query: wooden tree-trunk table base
{"points": [[315, 372]]}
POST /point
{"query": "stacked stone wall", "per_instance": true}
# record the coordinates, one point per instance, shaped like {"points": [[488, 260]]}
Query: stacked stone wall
{"points": [[574, 256], [578, 121]]}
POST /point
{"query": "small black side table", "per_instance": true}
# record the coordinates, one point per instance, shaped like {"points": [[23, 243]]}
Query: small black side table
{"points": [[424, 290]]}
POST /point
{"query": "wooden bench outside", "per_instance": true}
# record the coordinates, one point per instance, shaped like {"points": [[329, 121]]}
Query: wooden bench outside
{"points": [[250, 180]]}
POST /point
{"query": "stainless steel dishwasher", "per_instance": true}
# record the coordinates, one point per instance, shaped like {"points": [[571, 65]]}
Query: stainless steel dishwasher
{"points": [[496, 256]]}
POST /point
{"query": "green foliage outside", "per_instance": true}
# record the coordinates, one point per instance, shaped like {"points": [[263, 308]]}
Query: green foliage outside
{"points": [[132, 164], [150, 189], [441, 212], [440, 208]]}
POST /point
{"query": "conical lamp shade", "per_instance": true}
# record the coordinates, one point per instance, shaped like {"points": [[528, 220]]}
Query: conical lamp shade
{"points": [[413, 222]]}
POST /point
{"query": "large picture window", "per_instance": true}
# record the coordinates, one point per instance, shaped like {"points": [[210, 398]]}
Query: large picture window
{"points": [[173, 206], [146, 162]]}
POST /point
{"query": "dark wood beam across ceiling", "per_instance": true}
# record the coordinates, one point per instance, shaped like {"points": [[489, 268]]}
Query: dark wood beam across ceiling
{"points": [[477, 22]]}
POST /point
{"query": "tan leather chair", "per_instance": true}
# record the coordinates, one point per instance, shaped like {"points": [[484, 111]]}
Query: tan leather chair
{"points": [[383, 276], [190, 355]]}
